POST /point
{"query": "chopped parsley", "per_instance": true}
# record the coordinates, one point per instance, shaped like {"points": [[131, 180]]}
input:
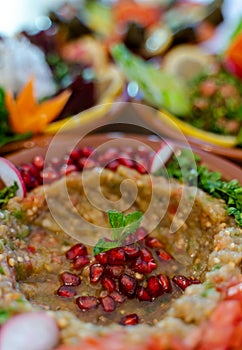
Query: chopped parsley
{"points": [[8, 192], [122, 226], [185, 169]]}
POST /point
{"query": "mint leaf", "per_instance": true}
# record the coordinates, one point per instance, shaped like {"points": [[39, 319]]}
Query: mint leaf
{"points": [[103, 245], [4, 315], [122, 227]]}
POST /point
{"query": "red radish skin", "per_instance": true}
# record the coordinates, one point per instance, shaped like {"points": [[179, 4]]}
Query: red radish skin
{"points": [[161, 157], [29, 331], [9, 173]]}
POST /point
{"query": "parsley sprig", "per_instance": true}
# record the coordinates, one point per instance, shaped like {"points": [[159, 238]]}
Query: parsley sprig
{"points": [[7, 192], [185, 169], [122, 226]]}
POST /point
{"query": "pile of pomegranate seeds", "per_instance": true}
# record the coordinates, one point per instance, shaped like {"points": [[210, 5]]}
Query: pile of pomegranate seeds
{"points": [[38, 171], [120, 273]]}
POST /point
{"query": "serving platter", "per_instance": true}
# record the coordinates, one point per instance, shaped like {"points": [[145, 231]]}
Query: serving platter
{"points": [[64, 142]]}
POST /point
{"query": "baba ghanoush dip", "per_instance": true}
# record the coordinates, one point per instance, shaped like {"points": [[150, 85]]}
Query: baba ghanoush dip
{"points": [[173, 282]]}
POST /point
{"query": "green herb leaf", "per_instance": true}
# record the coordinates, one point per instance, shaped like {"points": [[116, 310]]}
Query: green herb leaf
{"points": [[122, 227], [4, 315], [193, 173], [8, 192]]}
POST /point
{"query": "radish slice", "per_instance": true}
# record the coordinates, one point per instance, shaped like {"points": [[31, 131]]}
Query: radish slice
{"points": [[161, 157], [9, 173], [29, 331]]}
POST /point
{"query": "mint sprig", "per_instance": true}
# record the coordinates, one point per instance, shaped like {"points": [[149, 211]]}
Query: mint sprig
{"points": [[122, 226]]}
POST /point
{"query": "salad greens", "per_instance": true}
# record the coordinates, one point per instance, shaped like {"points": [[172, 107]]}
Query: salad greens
{"points": [[8, 192], [183, 168], [122, 226], [158, 87]]}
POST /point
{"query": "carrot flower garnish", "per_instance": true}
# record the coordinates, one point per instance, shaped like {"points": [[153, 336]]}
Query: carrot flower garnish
{"points": [[26, 114]]}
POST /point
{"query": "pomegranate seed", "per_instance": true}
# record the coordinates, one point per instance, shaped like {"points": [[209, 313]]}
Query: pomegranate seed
{"points": [[67, 169], [85, 163], [113, 166], [86, 151], [31, 169], [118, 297], [31, 249], [154, 287], [38, 162], [140, 168], [129, 320], [80, 261], [77, 250], [116, 256], [153, 242], [29, 181], [140, 266], [141, 233], [165, 283], [109, 284], [87, 302], [127, 285], [66, 292], [194, 280], [96, 271], [75, 154], [131, 251], [142, 294], [151, 265], [102, 258], [129, 163], [48, 175], [163, 255], [129, 240], [146, 255], [181, 281], [69, 279], [108, 303], [115, 270]]}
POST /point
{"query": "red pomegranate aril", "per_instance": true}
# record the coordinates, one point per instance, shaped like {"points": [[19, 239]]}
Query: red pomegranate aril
{"points": [[151, 265], [129, 320], [48, 175], [69, 279], [131, 252], [113, 165], [108, 303], [29, 181], [146, 255], [31, 249], [165, 283], [140, 168], [87, 302], [194, 280], [75, 154], [140, 266], [154, 287], [66, 292], [163, 255], [116, 256], [153, 242], [127, 285], [86, 151], [129, 163], [78, 249], [108, 283], [80, 261], [38, 162], [85, 163], [96, 272], [141, 233], [114, 270], [118, 297], [67, 169], [142, 294], [181, 281], [102, 258]]}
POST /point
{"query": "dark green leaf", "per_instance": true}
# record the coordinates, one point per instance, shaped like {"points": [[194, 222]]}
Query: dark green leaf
{"points": [[116, 219], [103, 245], [4, 315]]}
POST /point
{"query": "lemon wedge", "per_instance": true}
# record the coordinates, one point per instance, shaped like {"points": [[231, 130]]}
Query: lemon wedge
{"points": [[187, 129]]}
